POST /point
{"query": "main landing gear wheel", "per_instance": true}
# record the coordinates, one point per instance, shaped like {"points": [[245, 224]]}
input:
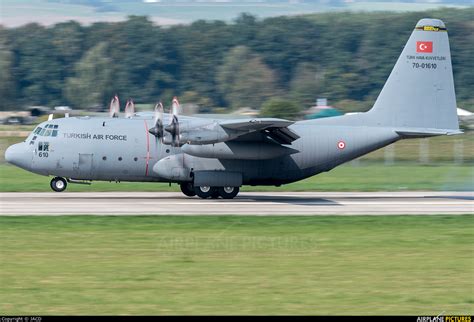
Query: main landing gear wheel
{"points": [[204, 191], [188, 189], [228, 192], [215, 193], [58, 184]]}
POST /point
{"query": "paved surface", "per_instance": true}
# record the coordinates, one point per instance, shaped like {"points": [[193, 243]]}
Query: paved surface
{"points": [[249, 203]]}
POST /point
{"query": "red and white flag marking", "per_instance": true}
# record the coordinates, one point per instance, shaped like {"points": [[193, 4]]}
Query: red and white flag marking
{"points": [[424, 46]]}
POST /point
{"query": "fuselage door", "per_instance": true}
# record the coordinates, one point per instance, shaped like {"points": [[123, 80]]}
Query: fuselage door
{"points": [[83, 169]]}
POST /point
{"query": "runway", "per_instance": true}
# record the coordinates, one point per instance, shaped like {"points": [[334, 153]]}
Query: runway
{"points": [[247, 203]]}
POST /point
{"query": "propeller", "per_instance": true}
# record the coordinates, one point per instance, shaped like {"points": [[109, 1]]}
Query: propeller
{"points": [[173, 127], [157, 130], [129, 108], [114, 109]]}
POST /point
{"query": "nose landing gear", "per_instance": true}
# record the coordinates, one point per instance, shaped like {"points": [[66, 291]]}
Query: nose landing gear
{"points": [[58, 184]]}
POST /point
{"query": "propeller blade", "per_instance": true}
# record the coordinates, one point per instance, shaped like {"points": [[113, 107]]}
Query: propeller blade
{"points": [[157, 130], [159, 113], [114, 107], [129, 108], [173, 127], [175, 106]]}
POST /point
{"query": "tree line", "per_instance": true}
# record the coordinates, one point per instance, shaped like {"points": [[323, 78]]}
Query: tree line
{"points": [[345, 57]]}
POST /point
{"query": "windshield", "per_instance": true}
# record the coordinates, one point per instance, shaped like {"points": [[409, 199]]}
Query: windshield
{"points": [[48, 130]]}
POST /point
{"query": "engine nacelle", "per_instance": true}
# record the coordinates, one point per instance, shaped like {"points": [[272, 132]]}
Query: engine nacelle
{"points": [[171, 168], [238, 150]]}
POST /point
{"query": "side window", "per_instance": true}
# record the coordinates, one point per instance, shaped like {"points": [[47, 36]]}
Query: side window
{"points": [[42, 132], [38, 130], [55, 133], [47, 133], [33, 140]]}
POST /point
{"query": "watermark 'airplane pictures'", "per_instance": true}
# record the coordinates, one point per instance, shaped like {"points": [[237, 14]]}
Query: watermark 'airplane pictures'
{"points": [[215, 157]]}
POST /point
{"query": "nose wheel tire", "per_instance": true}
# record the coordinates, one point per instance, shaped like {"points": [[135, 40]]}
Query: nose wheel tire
{"points": [[228, 192], [58, 184], [204, 191], [188, 189]]}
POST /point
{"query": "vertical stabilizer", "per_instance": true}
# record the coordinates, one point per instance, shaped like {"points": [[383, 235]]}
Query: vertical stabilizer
{"points": [[419, 92]]}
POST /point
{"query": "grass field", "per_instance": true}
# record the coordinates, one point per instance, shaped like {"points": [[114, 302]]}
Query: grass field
{"points": [[417, 265]]}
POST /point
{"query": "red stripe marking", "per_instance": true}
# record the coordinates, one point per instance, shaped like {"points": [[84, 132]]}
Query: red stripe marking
{"points": [[147, 147]]}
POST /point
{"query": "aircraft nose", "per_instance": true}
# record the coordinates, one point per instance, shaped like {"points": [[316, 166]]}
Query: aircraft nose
{"points": [[18, 155]]}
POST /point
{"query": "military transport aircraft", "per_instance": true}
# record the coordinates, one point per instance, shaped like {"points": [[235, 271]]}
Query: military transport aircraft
{"points": [[212, 158]]}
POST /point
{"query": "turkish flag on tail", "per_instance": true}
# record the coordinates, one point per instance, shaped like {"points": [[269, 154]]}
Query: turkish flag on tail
{"points": [[424, 46]]}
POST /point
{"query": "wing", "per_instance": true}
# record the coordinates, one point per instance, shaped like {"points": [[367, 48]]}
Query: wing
{"points": [[202, 130], [241, 139], [275, 129]]}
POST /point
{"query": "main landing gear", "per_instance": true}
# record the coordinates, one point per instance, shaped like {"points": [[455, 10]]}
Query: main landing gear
{"points": [[205, 192], [216, 192], [188, 189], [58, 184]]}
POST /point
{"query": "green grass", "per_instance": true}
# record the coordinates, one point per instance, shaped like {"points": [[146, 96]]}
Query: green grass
{"points": [[344, 178], [416, 265]]}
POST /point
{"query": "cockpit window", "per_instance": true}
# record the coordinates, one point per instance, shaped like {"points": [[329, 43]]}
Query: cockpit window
{"points": [[48, 130]]}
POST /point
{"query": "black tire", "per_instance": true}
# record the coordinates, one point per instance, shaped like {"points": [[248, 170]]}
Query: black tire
{"points": [[188, 189], [215, 193], [204, 191], [58, 184], [228, 192]]}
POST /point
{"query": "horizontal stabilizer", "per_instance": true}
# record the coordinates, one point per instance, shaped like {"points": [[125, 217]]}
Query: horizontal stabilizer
{"points": [[422, 132]]}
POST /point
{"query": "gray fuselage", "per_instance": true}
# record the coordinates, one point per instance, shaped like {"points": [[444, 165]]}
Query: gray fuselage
{"points": [[122, 149]]}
